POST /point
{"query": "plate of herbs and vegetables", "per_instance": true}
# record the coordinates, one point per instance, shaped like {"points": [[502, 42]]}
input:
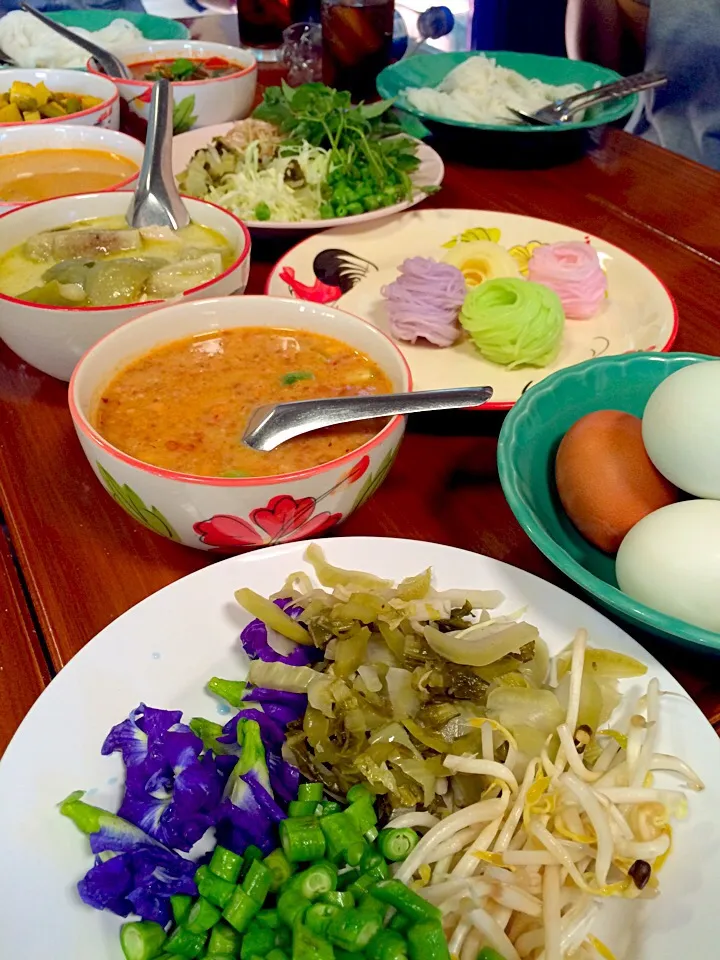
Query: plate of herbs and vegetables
{"points": [[429, 755], [308, 159]]}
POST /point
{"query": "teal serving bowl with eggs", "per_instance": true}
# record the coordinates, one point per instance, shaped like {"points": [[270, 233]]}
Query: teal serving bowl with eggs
{"points": [[418, 83], [670, 559]]}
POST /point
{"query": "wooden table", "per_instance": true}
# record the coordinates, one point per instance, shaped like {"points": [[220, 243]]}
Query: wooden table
{"points": [[85, 562]]}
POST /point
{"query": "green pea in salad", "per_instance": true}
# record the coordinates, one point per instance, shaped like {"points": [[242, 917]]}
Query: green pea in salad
{"points": [[406, 775]]}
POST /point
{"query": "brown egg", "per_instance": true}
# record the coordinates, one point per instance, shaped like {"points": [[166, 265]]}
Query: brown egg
{"points": [[605, 478]]}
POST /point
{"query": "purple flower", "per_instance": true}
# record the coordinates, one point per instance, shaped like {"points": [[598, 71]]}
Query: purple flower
{"points": [[132, 871], [170, 792], [254, 639], [249, 816]]}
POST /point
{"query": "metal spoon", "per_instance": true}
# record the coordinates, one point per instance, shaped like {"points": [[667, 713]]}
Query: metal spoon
{"points": [[272, 424], [434, 23], [157, 201], [106, 61]]}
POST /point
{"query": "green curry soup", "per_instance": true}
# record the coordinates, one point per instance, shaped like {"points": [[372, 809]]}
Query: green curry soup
{"points": [[103, 262], [184, 406]]}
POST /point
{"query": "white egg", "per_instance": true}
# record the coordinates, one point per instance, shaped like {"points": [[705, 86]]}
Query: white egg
{"points": [[681, 429], [670, 561]]}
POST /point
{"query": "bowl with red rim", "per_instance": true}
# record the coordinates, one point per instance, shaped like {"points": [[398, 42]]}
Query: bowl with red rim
{"points": [[53, 338], [226, 94], [26, 140], [105, 113], [223, 514]]}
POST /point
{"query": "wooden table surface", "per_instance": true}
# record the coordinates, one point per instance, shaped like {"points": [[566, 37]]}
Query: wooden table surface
{"points": [[85, 562]]}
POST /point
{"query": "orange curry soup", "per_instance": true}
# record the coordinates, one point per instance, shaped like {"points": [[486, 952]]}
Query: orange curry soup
{"points": [[184, 405]]}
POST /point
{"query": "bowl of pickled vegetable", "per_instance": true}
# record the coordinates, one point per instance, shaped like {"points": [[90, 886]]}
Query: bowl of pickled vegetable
{"points": [[58, 96], [72, 270]]}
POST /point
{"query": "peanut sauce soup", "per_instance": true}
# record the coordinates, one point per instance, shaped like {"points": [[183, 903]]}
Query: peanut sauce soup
{"points": [[184, 405]]}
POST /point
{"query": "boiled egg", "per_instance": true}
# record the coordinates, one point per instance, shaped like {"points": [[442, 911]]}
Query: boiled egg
{"points": [[605, 479], [670, 561], [681, 428]]}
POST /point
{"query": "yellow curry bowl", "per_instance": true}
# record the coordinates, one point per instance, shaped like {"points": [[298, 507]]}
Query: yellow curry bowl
{"points": [[229, 514], [47, 317], [50, 97], [41, 163]]}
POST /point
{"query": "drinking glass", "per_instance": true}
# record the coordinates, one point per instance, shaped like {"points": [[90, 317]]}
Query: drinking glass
{"points": [[261, 24], [357, 40]]}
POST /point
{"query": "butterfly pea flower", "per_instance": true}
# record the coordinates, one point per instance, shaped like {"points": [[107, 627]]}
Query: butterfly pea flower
{"points": [[171, 791], [132, 873], [249, 814], [254, 639]]}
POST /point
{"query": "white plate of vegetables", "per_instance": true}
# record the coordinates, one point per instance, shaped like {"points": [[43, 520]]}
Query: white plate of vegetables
{"points": [[307, 159], [487, 767]]}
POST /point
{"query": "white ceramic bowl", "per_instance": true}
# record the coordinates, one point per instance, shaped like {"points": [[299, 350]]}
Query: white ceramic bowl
{"points": [[105, 114], [213, 101], [31, 137], [227, 515], [54, 338]]}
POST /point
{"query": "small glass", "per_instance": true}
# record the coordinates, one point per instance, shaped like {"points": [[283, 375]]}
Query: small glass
{"points": [[301, 53], [357, 42], [261, 24]]}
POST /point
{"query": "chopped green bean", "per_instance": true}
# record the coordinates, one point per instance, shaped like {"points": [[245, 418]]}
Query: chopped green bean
{"points": [[202, 916], [397, 844], [280, 869], [387, 945], [271, 918], [310, 792], [406, 901], [318, 917], [302, 808], [359, 792], [218, 891], [302, 839], [241, 910], [277, 954], [352, 929], [331, 806], [319, 878], [224, 941], [252, 853], [344, 841], [257, 882], [142, 940], [185, 943], [426, 941], [258, 941], [339, 898], [362, 814], [307, 945], [291, 906], [370, 904], [487, 953], [226, 864], [180, 905]]}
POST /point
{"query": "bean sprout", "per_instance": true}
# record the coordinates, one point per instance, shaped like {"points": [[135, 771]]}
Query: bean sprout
{"points": [[524, 872]]}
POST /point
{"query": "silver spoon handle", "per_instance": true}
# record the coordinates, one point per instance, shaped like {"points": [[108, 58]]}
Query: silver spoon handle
{"points": [[270, 425], [108, 61], [156, 201]]}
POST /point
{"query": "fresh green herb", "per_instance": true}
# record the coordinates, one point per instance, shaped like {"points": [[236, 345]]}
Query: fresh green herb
{"points": [[183, 118], [288, 379], [182, 68], [370, 167]]}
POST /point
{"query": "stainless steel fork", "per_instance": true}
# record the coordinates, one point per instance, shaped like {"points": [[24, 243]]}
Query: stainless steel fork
{"points": [[562, 111]]}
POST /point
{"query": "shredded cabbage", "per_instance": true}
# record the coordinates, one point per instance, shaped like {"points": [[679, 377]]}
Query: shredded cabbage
{"points": [[253, 182]]}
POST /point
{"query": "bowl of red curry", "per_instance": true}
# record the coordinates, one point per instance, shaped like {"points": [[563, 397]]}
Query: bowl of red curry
{"points": [[211, 83], [160, 404]]}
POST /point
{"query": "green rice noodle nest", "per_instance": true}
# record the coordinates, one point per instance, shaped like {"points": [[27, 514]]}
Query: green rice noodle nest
{"points": [[514, 322]]}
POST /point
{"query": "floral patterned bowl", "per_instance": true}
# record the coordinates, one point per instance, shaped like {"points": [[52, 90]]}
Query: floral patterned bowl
{"points": [[221, 514]]}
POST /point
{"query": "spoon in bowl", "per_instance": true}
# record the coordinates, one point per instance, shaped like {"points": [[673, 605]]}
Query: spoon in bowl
{"points": [[107, 61], [272, 424], [157, 201]]}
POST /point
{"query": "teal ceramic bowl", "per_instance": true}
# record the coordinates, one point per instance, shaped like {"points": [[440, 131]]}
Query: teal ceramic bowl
{"points": [[152, 28], [520, 145], [528, 443]]}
